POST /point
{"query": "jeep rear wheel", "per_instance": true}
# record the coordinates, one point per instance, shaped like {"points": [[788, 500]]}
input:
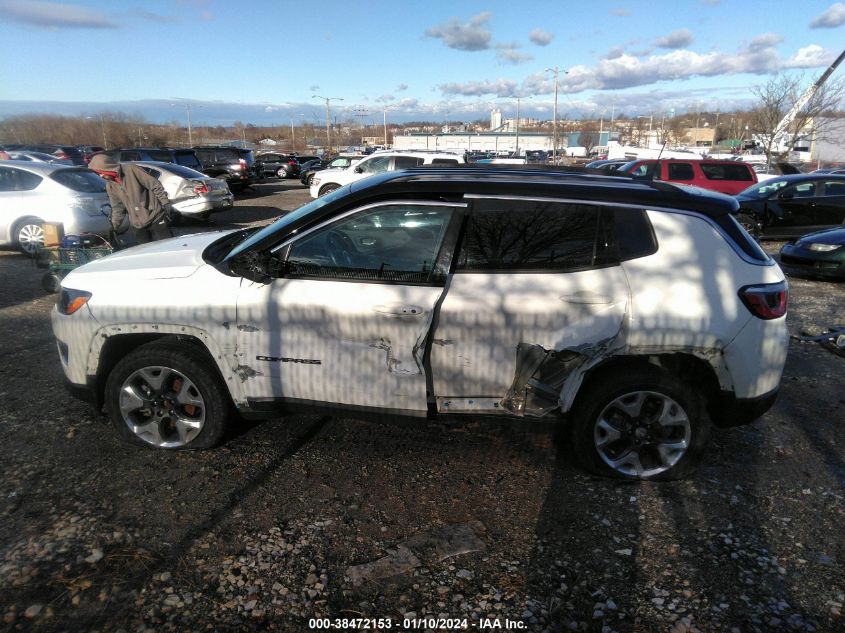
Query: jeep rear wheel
{"points": [[640, 424], [166, 396]]}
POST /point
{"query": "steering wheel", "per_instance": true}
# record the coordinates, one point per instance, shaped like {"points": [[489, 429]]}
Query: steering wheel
{"points": [[339, 248]]}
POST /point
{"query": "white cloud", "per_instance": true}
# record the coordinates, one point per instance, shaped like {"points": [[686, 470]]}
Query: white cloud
{"points": [[510, 54], [472, 36], [623, 70], [401, 87], [52, 15], [676, 39], [500, 88], [620, 13], [832, 17], [808, 57], [540, 37]]}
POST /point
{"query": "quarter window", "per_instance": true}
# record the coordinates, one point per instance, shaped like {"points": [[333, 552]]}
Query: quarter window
{"points": [[398, 242], [406, 162], [504, 235]]}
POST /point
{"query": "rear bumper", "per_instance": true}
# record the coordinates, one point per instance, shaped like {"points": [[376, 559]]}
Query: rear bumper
{"points": [[796, 260], [728, 411]]}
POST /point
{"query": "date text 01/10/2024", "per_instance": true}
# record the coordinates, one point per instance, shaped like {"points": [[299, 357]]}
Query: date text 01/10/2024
{"points": [[416, 624]]}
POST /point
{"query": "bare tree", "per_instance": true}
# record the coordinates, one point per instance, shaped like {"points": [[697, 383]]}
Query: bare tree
{"points": [[776, 98]]}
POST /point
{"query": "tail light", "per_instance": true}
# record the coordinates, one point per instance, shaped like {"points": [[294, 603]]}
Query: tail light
{"points": [[766, 301], [61, 155], [243, 163], [200, 187]]}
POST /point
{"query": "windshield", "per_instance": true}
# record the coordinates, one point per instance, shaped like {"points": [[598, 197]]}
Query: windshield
{"points": [[279, 227], [765, 189]]}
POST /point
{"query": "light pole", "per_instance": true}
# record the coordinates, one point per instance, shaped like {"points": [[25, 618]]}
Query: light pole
{"points": [[555, 70], [650, 118], [102, 129], [328, 118], [516, 149], [384, 121], [292, 137]]}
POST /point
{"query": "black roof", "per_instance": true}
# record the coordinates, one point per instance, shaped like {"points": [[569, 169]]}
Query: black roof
{"points": [[536, 180], [454, 182]]}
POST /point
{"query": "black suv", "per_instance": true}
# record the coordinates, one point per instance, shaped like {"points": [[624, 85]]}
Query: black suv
{"points": [[277, 165], [184, 157], [232, 164]]}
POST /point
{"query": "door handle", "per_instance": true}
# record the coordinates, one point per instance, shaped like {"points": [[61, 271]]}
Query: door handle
{"points": [[584, 297], [399, 310]]}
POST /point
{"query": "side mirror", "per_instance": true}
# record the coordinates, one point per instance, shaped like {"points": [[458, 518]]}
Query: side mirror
{"points": [[359, 170]]}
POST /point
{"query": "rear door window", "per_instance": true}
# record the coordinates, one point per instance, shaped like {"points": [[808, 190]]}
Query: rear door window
{"points": [[833, 188], [406, 162], [524, 235], [726, 171], [680, 171]]}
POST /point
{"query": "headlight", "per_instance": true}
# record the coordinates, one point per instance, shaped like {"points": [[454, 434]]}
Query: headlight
{"points": [[70, 300], [823, 248]]}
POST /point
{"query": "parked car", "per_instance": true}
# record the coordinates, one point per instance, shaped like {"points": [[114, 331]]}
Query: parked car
{"points": [[32, 193], [724, 176], [192, 193], [383, 160], [89, 150], [184, 157], [789, 206], [65, 152], [582, 300], [277, 165], [228, 163], [820, 254], [306, 174], [37, 157], [607, 165]]}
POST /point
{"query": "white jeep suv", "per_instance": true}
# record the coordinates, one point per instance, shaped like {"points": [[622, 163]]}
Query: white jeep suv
{"points": [[328, 180], [638, 314]]}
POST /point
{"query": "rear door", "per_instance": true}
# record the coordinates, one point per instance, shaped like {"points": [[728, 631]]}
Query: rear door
{"points": [[681, 172], [830, 202], [348, 323], [532, 277]]}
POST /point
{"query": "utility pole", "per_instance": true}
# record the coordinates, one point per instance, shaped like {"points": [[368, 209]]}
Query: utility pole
{"points": [[555, 70], [292, 137], [384, 113], [190, 132], [328, 118]]}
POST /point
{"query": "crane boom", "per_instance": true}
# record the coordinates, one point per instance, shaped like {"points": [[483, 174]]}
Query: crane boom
{"points": [[808, 94]]}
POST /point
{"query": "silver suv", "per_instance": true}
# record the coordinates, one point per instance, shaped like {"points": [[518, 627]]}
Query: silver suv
{"points": [[378, 162]]}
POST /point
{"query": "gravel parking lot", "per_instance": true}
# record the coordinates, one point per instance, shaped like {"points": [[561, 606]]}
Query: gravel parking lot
{"points": [[416, 528]]}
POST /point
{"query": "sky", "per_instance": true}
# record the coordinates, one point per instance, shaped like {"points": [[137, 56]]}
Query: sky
{"points": [[270, 62]]}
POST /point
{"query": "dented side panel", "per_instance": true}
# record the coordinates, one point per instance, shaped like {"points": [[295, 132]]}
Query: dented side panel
{"points": [[487, 316], [341, 342]]}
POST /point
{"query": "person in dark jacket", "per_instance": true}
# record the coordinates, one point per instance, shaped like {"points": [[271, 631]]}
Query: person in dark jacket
{"points": [[136, 194]]}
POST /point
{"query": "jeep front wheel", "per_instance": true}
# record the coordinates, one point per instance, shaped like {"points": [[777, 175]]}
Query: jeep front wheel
{"points": [[166, 396], [328, 188]]}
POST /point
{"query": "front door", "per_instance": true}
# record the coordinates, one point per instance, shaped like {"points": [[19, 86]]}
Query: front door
{"points": [[348, 322]]}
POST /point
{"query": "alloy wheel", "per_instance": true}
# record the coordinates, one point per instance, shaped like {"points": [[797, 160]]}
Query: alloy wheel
{"points": [[162, 406], [31, 238], [642, 433]]}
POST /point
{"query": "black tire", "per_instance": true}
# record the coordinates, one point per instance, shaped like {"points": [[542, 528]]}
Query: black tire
{"points": [[309, 179], [598, 409], [328, 188], [207, 420], [51, 282], [750, 223], [25, 232]]}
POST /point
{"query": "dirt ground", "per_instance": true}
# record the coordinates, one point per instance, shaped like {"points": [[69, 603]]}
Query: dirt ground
{"points": [[383, 527]]}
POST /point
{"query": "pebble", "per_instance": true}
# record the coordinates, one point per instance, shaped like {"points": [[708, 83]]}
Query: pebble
{"points": [[33, 611]]}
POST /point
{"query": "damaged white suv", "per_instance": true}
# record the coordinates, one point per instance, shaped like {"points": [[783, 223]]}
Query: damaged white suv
{"points": [[635, 313]]}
